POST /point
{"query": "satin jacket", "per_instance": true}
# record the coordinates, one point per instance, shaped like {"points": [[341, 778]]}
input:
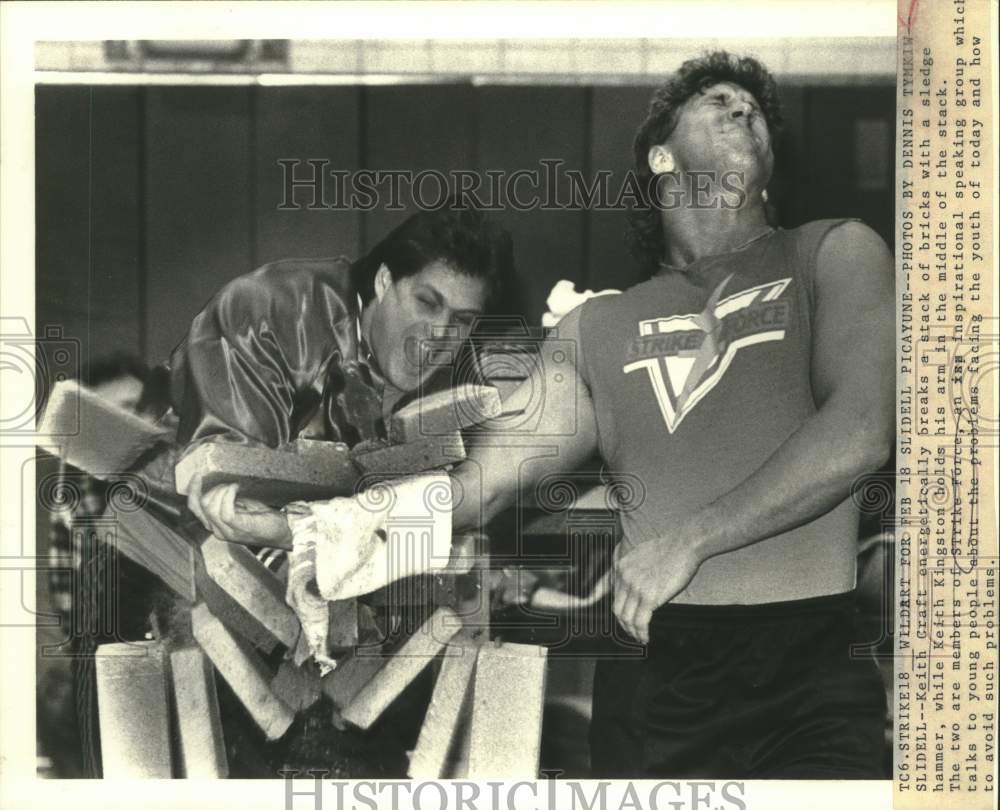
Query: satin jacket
{"points": [[275, 355]]}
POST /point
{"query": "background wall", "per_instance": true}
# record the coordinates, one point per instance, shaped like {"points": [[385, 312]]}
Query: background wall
{"points": [[149, 198]]}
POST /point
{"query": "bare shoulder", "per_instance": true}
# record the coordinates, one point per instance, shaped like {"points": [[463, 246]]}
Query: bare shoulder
{"points": [[574, 323], [570, 330], [569, 325], [850, 249]]}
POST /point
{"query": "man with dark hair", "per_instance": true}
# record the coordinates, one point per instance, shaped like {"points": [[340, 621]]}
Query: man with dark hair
{"points": [[747, 384], [324, 348]]}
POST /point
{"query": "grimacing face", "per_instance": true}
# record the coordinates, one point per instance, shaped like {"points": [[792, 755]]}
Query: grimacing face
{"points": [[723, 129], [417, 307]]}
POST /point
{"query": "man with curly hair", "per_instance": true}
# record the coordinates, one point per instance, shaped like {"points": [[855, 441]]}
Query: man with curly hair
{"points": [[747, 384], [660, 181]]}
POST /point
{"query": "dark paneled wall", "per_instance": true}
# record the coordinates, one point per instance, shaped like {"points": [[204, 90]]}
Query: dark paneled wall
{"points": [[89, 252], [303, 123], [518, 127], [197, 204], [149, 199]]}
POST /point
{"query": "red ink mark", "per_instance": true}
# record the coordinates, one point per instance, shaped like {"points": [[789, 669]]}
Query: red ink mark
{"points": [[911, 16]]}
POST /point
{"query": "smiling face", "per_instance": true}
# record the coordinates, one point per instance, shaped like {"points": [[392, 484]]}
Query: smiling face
{"points": [[405, 313], [722, 129]]}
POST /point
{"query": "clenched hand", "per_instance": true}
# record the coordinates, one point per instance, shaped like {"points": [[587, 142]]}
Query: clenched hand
{"points": [[646, 575]]}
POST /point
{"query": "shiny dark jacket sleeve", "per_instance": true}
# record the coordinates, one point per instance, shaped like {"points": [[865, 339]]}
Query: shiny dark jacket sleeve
{"points": [[254, 359]]}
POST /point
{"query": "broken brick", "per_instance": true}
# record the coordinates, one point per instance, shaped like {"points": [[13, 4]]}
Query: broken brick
{"points": [[245, 673], [94, 434], [440, 733], [444, 413], [351, 674], [253, 585], [202, 748], [304, 470], [415, 457], [157, 548], [402, 668]]}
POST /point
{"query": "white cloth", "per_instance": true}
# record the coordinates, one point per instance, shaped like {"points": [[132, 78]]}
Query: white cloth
{"points": [[564, 298], [346, 547], [311, 608]]}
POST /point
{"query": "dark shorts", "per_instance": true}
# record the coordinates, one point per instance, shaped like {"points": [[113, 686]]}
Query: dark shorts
{"points": [[743, 691]]}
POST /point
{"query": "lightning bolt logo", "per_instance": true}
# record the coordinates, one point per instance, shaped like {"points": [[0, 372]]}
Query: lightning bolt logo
{"points": [[685, 356]]}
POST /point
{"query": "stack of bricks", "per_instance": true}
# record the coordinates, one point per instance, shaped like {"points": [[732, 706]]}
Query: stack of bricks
{"points": [[238, 613]]}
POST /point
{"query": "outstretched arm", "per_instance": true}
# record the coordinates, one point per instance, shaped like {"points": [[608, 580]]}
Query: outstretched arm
{"points": [[850, 433], [504, 463]]}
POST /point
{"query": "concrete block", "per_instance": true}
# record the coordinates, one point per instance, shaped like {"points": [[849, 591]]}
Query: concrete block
{"points": [[87, 55], [351, 675], [92, 434], [445, 412], [203, 748], [253, 585], [402, 668], [438, 743], [245, 673], [159, 549], [133, 710], [509, 693], [303, 470], [52, 55], [416, 457], [230, 612]]}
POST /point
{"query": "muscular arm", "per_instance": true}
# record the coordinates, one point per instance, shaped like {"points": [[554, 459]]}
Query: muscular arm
{"points": [[853, 384], [850, 433], [502, 463], [498, 466]]}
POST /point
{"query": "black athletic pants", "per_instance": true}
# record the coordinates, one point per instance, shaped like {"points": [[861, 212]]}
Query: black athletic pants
{"points": [[748, 692]]}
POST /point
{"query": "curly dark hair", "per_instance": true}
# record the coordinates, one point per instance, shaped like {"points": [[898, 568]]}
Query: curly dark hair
{"points": [[645, 231], [461, 237]]}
